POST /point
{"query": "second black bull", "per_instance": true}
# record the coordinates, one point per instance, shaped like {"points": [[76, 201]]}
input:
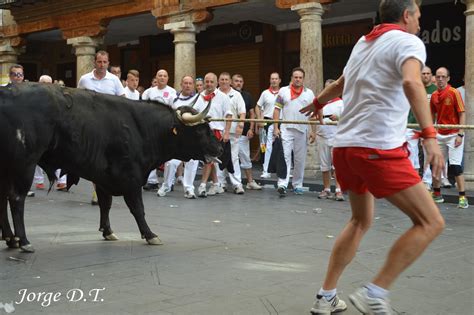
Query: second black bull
{"points": [[109, 140]]}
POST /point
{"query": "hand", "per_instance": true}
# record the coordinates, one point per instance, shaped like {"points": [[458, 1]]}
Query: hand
{"points": [[333, 117], [250, 134], [276, 132], [433, 157], [457, 141], [226, 136], [308, 110], [239, 129], [312, 137], [260, 125]]}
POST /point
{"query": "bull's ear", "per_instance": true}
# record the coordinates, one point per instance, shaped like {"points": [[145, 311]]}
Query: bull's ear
{"points": [[175, 131]]}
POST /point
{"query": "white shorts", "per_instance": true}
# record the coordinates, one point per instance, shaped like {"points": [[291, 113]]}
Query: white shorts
{"points": [[325, 153], [450, 152]]}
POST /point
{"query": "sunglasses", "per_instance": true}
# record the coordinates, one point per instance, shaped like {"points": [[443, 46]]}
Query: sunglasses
{"points": [[16, 74]]}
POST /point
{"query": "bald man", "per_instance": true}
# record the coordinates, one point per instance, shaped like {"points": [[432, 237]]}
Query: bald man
{"points": [[164, 94]]}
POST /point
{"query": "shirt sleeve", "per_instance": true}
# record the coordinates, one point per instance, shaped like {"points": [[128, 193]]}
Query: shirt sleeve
{"points": [[459, 103], [240, 104], [119, 89], [279, 102], [260, 101], [411, 47]]}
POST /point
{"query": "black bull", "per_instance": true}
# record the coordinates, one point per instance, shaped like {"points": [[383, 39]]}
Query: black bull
{"points": [[109, 140]]}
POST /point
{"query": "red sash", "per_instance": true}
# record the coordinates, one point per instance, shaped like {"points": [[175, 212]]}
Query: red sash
{"points": [[209, 97], [381, 29], [294, 92]]}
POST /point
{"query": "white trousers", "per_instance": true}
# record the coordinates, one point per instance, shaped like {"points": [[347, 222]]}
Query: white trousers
{"points": [[152, 178], [244, 153], [39, 176], [268, 151], [294, 141], [236, 178], [190, 169]]}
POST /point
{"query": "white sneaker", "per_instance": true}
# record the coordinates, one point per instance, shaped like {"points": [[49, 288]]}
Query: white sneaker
{"points": [[189, 194], [202, 191], [163, 191], [239, 190], [367, 305], [427, 185], [215, 190], [266, 175], [445, 183], [253, 186], [324, 307]]}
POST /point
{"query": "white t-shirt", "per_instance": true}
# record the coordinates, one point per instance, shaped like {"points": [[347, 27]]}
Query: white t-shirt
{"points": [[109, 84], [266, 102], [182, 100], [334, 107], [135, 95], [165, 95], [376, 108], [220, 108], [290, 109], [237, 106]]}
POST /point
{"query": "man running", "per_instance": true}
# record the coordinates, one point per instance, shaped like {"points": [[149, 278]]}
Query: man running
{"points": [[384, 71]]}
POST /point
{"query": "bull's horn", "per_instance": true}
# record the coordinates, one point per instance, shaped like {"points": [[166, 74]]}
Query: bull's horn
{"points": [[190, 120]]}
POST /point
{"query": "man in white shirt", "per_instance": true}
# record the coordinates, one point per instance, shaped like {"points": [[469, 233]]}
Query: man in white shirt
{"points": [[220, 108], [325, 141], [290, 100], [237, 106], [133, 78], [184, 98], [264, 110], [164, 94], [101, 81], [383, 77]]}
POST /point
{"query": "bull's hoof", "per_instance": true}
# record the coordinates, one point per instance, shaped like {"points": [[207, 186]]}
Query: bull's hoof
{"points": [[28, 248], [111, 237], [154, 241]]}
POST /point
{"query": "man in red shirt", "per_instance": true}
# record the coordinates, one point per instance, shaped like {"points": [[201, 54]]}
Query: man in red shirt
{"points": [[448, 108]]}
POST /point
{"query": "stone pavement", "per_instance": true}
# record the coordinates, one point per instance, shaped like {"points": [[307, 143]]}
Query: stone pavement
{"points": [[227, 254]]}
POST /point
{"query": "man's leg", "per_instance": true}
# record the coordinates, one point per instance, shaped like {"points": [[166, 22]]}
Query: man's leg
{"points": [[348, 241], [428, 223]]}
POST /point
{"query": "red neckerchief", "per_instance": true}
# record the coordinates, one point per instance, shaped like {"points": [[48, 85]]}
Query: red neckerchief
{"points": [[381, 29], [334, 100], [438, 98], [209, 97], [294, 92], [273, 92]]}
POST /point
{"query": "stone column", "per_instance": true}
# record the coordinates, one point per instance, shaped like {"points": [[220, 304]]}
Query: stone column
{"points": [[311, 60], [84, 49], [469, 86], [184, 49]]}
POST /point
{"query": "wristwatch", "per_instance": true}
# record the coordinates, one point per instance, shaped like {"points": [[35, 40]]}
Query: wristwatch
{"points": [[460, 135]]}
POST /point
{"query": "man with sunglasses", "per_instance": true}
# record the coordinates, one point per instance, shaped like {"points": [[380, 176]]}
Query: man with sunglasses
{"points": [[16, 74]]}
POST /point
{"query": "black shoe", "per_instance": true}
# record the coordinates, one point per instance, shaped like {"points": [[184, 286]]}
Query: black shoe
{"points": [[150, 187], [282, 191]]}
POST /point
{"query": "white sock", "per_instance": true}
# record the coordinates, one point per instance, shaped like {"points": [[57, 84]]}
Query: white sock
{"points": [[327, 189], [338, 189], [374, 291], [328, 294]]}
